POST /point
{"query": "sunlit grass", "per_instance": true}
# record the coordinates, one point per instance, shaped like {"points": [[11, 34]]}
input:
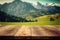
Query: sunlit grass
{"points": [[41, 21], [31, 23]]}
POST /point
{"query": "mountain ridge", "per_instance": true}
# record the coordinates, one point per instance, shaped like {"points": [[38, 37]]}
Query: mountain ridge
{"points": [[20, 9], [17, 7]]}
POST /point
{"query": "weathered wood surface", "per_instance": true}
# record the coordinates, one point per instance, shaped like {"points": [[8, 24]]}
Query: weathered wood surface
{"points": [[14, 30]]}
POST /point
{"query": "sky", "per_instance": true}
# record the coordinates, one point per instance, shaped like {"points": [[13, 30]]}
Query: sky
{"points": [[5, 1], [33, 1], [49, 1]]}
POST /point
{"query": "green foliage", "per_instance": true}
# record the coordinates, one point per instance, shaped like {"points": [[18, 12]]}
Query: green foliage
{"points": [[4, 17], [37, 21]]}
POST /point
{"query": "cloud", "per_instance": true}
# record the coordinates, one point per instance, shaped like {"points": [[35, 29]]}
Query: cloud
{"points": [[30, 1], [5, 1], [8, 1]]}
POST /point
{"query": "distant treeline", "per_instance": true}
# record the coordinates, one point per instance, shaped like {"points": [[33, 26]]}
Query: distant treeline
{"points": [[4, 17]]}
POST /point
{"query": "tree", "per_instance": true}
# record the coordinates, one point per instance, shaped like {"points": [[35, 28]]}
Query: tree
{"points": [[51, 19]]}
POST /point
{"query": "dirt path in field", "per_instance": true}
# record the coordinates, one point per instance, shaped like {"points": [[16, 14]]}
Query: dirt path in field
{"points": [[14, 30]]}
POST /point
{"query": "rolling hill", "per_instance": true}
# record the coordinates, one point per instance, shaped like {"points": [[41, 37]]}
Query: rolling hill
{"points": [[49, 19]]}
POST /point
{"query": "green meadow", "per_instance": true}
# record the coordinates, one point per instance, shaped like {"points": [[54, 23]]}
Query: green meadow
{"points": [[44, 20]]}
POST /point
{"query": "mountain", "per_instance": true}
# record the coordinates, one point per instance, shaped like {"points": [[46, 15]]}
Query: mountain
{"points": [[50, 4], [52, 8], [27, 10], [38, 5], [18, 8], [47, 10], [4, 17]]}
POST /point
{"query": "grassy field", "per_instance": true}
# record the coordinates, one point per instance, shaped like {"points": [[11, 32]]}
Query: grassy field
{"points": [[44, 20]]}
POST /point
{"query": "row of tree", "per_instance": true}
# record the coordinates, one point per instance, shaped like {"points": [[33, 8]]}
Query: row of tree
{"points": [[4, 17]]}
